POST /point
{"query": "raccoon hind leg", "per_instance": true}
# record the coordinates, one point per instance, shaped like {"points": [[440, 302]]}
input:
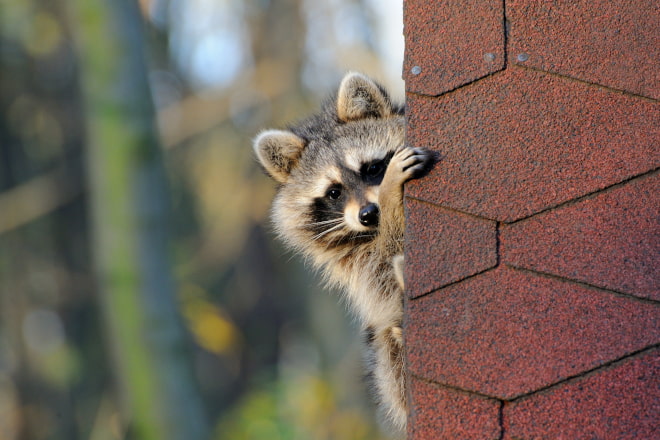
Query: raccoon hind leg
{"points": [[388, 375]]}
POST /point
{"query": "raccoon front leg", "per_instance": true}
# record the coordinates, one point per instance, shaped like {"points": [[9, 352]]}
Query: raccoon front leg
{"points": [[407, 163]]}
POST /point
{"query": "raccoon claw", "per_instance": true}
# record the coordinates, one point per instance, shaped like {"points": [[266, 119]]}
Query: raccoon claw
{"points": [[412, 162], [417, 162]]}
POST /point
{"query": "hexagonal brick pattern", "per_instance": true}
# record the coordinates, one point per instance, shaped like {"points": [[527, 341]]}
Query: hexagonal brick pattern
{"points": [[449, 44], [522, 141], [621, 402], [610, 42], [445, 246], [507, 332], [611, 240], [533, 246], [450, 414]]}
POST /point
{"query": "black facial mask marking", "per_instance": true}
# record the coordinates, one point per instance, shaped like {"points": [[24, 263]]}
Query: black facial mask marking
{"points": [[329, 207], [372, 173]]}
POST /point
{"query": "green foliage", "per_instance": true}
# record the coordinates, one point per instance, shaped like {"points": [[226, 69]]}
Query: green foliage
{"points": [[299, 409]]}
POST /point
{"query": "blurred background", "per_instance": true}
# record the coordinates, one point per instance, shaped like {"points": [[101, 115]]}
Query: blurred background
{"points": [[206, 327]]}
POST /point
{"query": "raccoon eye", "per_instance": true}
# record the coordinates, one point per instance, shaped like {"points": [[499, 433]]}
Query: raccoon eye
{"points": [[333, 193], [372, 173], [375, 169]]}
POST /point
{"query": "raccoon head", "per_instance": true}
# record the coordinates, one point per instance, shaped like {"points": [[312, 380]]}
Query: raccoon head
{"points": [[330, 166]]}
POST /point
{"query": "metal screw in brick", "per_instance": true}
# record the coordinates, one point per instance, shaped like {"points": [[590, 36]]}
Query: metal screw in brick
{"points": [[522, 57]]}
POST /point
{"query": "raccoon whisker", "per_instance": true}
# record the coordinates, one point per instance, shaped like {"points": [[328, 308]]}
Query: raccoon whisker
{"points": [[356, 237], [324, 223], [329, 223], [362, 234], [327, 231]]}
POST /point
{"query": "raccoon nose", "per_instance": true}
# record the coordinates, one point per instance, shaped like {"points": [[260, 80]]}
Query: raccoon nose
{"points": [[369, 215]]}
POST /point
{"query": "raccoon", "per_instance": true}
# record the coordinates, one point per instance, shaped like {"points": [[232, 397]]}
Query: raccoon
{"points": [[340, 204]]}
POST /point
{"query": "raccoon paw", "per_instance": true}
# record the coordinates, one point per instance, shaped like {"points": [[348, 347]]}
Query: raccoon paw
{"points": [[409, 163]]}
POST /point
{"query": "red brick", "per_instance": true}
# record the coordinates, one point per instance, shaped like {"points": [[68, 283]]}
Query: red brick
{"points": [[445, 246], [505, 333], [611, 240], [620, 403], [522, 141], [441, 413], [451, 42], [613, 43]]}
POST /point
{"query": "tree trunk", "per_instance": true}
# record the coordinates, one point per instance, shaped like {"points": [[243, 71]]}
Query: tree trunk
{"points": [[129, 209]]}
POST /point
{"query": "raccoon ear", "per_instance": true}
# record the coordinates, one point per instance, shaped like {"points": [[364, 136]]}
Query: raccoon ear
{"points": [[359, 97], [278, 151]]}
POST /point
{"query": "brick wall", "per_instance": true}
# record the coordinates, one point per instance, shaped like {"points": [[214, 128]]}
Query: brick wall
{"points": [[533, 247]]}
